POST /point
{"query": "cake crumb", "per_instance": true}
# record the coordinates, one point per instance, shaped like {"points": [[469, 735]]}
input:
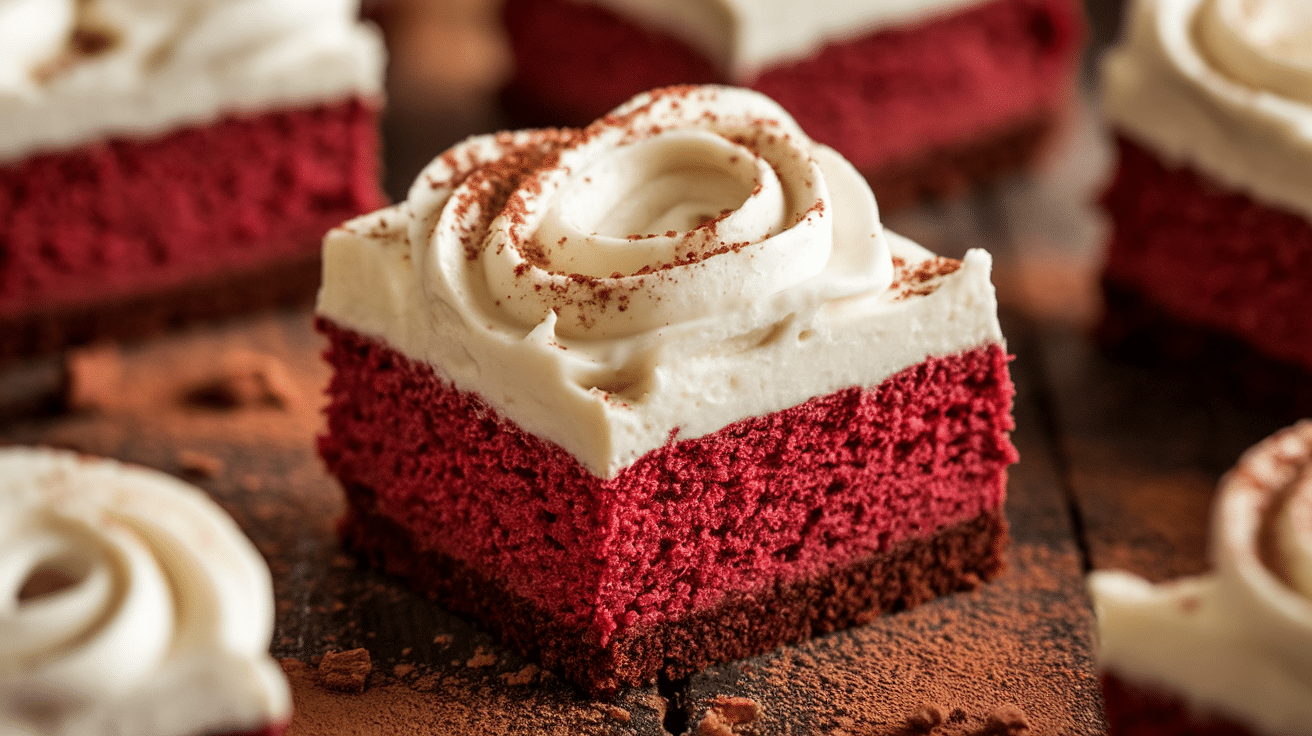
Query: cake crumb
{"points": [[94, 376], [199, 464], [1007, 720], [616, 713], [292, 664], [401, 670], [346, 671], [482, 658], [443, 639], [523, 677], [245, 379], [926, 719], [727, 714]]}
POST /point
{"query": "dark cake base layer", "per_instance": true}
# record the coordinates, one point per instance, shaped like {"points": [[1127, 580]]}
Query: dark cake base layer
{"points": [[955, 558], [1135, 710], [924, 110], [1205, 257], [1137, 331], [290, 282]]}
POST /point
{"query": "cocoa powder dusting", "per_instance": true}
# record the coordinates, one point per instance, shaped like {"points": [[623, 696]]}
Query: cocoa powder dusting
{"points": [[1010, 658]]}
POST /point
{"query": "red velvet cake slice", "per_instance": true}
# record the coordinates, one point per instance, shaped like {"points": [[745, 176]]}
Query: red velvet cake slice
{"points": [[1212, 200], [1230, 652], [923, 97], [661, 392], [160, 164]]}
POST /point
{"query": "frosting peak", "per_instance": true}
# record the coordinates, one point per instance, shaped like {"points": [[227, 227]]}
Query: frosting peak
{"points": [[127, 598], [683, 205], [1266, 44], [1223, 86]]}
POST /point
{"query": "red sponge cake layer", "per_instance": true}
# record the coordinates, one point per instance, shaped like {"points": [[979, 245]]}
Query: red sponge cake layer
{"points": [[706, 549], [920, 110], [92, 229], [1209, 257]]}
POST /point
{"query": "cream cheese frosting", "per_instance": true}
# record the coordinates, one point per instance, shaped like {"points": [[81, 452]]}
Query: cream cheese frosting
{"points": [[1237, 642], [688, 261], [130, 604], [743, 37], [1224, 86], [73, 71]]}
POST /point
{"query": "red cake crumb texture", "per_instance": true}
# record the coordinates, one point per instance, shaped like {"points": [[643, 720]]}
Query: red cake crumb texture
{"points": [[1210, 257], [113, 220], [1001, 68], [1138, 710], [906, 479]]}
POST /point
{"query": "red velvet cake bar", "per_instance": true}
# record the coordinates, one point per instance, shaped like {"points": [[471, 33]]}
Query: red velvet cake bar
{"points": [[924, 97], [1212, 199], [661, 392], [163, 164], [1229, 652]]}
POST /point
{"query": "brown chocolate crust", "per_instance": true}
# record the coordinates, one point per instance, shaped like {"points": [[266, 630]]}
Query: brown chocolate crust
{"points": [[288, 283], [949, 172], [958, 557], [1135, 330]]}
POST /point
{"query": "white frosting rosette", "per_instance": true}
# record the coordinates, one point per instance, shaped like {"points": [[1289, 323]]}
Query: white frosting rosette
{"points": [[129, 604], [682, 206], [1224, 86], [689, 260], [1237, 642], [72, 70]]}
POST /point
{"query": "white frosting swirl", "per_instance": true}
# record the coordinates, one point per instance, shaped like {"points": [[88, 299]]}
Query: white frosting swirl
{"points": [[1238, 641], [1224, 86], [746, 36], [32, 33], [678, 207], [76, 70], [574, 281], [129, 603], [1266, 44]]}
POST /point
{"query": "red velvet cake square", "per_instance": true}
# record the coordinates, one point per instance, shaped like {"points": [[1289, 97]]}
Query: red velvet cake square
{"points": [[159, 165], [924, 98], [1229, 652], [661, 392], [1211, 250]]}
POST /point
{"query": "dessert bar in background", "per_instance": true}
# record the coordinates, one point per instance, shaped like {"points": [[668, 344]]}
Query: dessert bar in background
{"points": [[163, 162], [1211, 253], [662, 392], [925, 97], [133, 604], [1229, 652]]}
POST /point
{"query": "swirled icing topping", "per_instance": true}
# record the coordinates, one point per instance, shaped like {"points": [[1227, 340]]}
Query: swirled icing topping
{"points": [[1224, 86], [1237, 641], [680, 206], [129, 603], [73, 70], [690, 260], [1265, 44]]}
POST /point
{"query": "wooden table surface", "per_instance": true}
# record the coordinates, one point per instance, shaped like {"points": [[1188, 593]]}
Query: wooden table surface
{"points": [[1119, 464]]}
